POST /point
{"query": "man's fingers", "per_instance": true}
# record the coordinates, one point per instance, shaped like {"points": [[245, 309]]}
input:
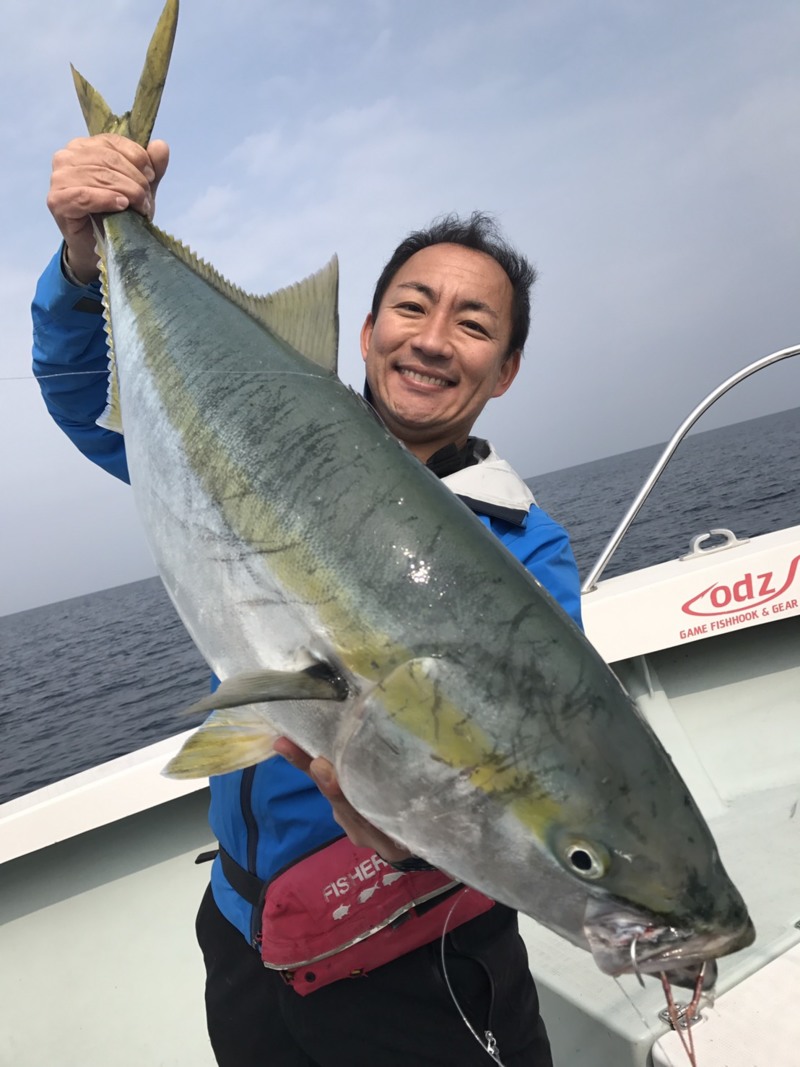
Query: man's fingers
{"points": [[324, 774], [76, 205], [292, 753], [96, 175], [158, 151]]}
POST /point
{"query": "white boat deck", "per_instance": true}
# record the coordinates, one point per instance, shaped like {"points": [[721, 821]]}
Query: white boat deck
{"points": [[100, 929], [756, 1023]]}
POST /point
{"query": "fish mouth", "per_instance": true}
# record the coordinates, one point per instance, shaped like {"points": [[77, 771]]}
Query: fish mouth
{"points": [[625, 941]]}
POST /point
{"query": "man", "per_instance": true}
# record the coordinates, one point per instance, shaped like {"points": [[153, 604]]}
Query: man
{"points": [[445, 334]]}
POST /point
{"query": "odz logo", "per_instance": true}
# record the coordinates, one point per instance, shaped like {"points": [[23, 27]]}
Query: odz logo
{"points": [[749, 592]]}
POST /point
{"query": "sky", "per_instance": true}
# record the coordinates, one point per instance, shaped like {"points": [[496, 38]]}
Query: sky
{"points": [[645, 155]]}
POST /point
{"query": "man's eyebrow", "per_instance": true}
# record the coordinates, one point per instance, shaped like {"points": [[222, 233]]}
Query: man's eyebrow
{"points": [[419, 287], [464, 305]]}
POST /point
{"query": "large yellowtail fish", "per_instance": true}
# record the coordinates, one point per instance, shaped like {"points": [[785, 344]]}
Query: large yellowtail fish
{"points": [[349, 600]]}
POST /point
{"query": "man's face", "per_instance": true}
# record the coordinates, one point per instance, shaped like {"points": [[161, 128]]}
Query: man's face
{"points": [[436, 351]]}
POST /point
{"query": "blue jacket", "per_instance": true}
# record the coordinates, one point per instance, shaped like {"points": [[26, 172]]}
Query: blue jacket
{"points": [[268, 815]]}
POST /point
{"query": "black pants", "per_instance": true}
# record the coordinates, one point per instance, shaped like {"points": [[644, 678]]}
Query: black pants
{"points": [[400, 1015]]}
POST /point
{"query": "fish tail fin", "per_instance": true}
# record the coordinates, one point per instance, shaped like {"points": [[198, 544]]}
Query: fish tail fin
{"points": [[136, 124], [98, 115], [222, 744]]}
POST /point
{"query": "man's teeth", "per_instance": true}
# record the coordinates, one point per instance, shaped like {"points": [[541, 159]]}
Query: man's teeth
{"points": [[427, 379]]}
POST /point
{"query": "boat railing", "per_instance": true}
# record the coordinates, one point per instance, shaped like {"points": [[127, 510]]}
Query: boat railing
{"points": [[614, 541]]}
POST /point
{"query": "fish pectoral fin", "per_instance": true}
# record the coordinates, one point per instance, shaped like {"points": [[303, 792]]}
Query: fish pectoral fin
{"points": [[256, 687], [221, 745], [227, 742]]}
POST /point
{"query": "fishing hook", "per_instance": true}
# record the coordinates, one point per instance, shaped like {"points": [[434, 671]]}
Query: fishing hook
{"points": [[635, 963]]}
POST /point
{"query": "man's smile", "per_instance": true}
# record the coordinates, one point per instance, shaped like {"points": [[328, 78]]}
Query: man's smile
{"points": [[424, 378]]}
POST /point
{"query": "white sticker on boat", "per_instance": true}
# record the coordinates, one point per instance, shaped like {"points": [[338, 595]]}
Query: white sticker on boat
{"points": [[752, 597]]}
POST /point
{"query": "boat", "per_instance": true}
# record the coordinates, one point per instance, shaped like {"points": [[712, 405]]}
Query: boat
{"points": [[100, 881]]}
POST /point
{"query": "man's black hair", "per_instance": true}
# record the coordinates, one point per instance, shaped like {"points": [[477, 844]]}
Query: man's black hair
{"points": [[481, 233]]}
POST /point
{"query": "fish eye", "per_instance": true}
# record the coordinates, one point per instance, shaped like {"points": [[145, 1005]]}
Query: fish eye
{"points": [[586, 859]]}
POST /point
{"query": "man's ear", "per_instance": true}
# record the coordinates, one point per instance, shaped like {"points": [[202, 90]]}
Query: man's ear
{"points": [[508, 372], [366, 335]]}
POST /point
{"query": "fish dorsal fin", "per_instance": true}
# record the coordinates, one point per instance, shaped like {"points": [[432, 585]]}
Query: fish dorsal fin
{"points": [[305, 314]]}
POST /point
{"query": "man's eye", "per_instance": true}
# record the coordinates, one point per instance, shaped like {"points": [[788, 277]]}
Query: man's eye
{"points": [[409, 305], [475, 327]]}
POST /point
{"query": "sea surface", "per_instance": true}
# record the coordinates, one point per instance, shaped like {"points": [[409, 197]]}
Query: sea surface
{"points": [[91, 678]]}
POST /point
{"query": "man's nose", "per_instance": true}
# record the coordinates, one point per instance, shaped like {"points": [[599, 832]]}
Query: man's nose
{"points": [[434, 337]]}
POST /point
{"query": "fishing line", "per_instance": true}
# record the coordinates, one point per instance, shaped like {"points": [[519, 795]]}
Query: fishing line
{"points": [[39, 377], [221, 373], [636, 1008], [674, 1022], [490, 1047], [677, 1014]]}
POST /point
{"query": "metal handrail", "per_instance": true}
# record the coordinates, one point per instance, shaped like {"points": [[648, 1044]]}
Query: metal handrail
{"points": [[613, 544]]}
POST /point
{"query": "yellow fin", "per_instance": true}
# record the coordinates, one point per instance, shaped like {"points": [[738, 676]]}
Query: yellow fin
{"points": [[136, 124], [306, 315], [219, 746]]}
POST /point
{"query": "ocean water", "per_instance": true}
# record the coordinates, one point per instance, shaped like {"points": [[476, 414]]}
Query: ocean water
{"points": [[91, 678], [744, 477]]}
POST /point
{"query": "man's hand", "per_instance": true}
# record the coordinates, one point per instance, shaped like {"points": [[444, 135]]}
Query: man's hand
{"points": [[96, 176], [322, 773]]}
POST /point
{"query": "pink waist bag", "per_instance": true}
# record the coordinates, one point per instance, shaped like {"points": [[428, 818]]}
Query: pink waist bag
{"points": [[343, 911]]}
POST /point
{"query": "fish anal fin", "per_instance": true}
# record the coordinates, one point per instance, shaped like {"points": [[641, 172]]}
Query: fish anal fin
{"points": [[111, 417]]}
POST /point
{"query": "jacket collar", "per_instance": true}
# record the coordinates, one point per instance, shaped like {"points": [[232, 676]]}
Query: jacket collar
{"points": [[476, 474], [492, 487]]}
